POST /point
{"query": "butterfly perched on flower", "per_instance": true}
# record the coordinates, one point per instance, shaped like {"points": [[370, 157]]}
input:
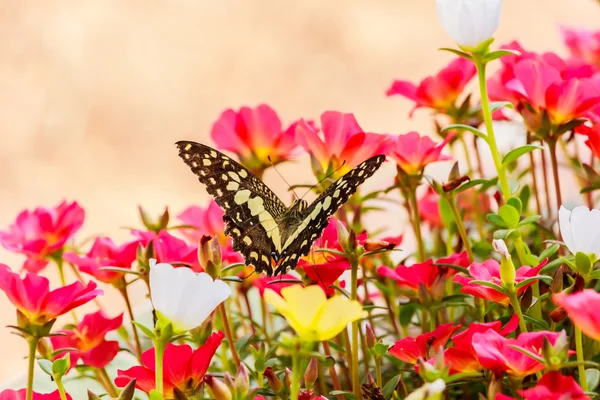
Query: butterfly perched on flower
{"points": [[271, 236]]}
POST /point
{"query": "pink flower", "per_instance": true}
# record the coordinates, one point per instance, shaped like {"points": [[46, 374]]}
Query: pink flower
{"points": [[553, 385], [426, 274], [583, 44], [184, 368], [171, 250], [439, 92], [410, 349], [10, 394], [494, 351], [413, 152], [254, 134], [582, 309], [429, 209], [88, 337], [274, 283], [33, 298], [462, 356], [104, 253], [342, 140], [41, 233], [490, 271]]}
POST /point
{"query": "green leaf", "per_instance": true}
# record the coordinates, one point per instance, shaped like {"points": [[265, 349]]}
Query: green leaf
{"points": [[470, 184], [595, 274], [494, 55], [516, 203], [505, 234], [390, 386], [46, 366], [446, 212], [510, 215], [593, 378], [514, 154], [530, 220], [549, 251], [496, 105], [496, 220], [147, 331], [474, 131], [583, 263], [407, 311], [491, 285], [61, 366], [457, 52], [128, 391], [381, 349], [539, 323], [532, 279], [242, 342]]}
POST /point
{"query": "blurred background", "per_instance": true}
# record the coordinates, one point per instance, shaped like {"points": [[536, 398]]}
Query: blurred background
{"points": [[93, 94]]}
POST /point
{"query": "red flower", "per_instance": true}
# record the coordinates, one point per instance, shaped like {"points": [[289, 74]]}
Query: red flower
{"points": [[429, 209], [10, 394], [490, 271], [33, 298], [322, 267], [462, 356], [581, 308], [439, 92], [410, 349], [254, 134], [104, 253], [583, 44], [426, 274], [88, 337], [413, 152], [494, 351], [209, 222], [183, 368], [593, 138], [342, 140], [42, 232], [171, 250], [273, 282], [553, 385]]}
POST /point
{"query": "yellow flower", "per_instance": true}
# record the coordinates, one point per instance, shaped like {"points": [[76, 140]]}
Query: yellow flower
{"points": [[311, 314]]}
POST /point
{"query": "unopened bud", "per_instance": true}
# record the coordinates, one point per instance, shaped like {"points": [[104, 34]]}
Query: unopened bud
{"points": [[273, 380], [242, 381], [370, 337], [558, 314], [343, 236], [375, 245], [311, 373], [287, 377], [219, 390], [508, 273]]}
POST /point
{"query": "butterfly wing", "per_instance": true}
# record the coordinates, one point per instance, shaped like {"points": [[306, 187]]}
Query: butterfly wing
{"points": [[316, 216], [250, 207]]}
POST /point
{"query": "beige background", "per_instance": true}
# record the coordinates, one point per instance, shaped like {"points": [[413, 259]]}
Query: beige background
{"points": [[93, 94]]}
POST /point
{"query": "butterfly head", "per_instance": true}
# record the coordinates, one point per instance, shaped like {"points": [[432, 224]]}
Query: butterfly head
{"points": [[298, 208]]}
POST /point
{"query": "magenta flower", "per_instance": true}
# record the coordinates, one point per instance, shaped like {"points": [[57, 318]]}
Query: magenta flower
{"points": [[170, 249], [342, 140], [21, 394], [413, 152], [439, 92], [411, 349], [583, 44], [43, 232]]}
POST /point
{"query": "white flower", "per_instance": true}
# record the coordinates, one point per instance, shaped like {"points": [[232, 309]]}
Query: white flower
{"points": [[580, 229], [500, 246], [470, 22], [183, 297], [429, 391]]}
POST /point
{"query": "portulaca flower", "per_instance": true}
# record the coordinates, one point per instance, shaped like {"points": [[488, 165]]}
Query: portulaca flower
{"points": [[183, 297], [470, 22], [580, 229]]}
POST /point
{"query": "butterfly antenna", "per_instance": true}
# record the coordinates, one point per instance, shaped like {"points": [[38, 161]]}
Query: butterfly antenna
{"points": [[278, 173], [322, 180], [246, 277]]}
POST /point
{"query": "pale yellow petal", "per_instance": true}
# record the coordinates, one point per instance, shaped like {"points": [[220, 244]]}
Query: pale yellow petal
{"points": [[336, 315], [304, 305]]}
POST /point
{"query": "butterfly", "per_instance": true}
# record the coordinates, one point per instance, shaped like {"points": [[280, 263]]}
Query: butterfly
{"points": [[270, 236]]}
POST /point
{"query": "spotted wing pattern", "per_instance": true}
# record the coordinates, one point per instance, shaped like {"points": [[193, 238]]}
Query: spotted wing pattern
{"points": [[251, 208], [314, 219]]}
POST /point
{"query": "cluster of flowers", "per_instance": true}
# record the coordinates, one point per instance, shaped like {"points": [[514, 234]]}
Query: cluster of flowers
{"points": [[490, 303]]}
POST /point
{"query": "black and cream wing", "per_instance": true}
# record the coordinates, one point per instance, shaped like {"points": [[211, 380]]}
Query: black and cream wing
{"points": [[316, 216]]}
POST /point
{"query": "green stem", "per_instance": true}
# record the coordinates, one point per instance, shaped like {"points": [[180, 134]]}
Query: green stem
{"points": [[354, 296], [61, 389], [416, 220], [480, 64], [580, 359], [554, 163], [138, 345], [159, 351], [463, 142], [229, 336], [514, 301], [110, 387], [460, 226], [33, 342], [378, 375], [295, 387]]}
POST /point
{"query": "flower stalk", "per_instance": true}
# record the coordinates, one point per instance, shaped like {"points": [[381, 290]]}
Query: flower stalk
{"points": [[354, 296], [33, 342], [580, 359]]}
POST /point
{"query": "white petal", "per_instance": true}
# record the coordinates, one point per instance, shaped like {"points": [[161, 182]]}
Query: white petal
{"points": [[566, 230], [583, 229], [470, 22]]}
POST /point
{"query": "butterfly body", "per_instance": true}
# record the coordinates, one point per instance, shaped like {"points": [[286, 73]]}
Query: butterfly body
{"points": [[271, 236]]}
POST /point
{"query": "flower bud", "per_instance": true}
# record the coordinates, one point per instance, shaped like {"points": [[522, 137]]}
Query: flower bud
{"points": [[287, 377], [508, 273], [370, 337], [375, 245], [273, 380], [470, 23], [219, 389], [311, 373], [242, 381]]}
